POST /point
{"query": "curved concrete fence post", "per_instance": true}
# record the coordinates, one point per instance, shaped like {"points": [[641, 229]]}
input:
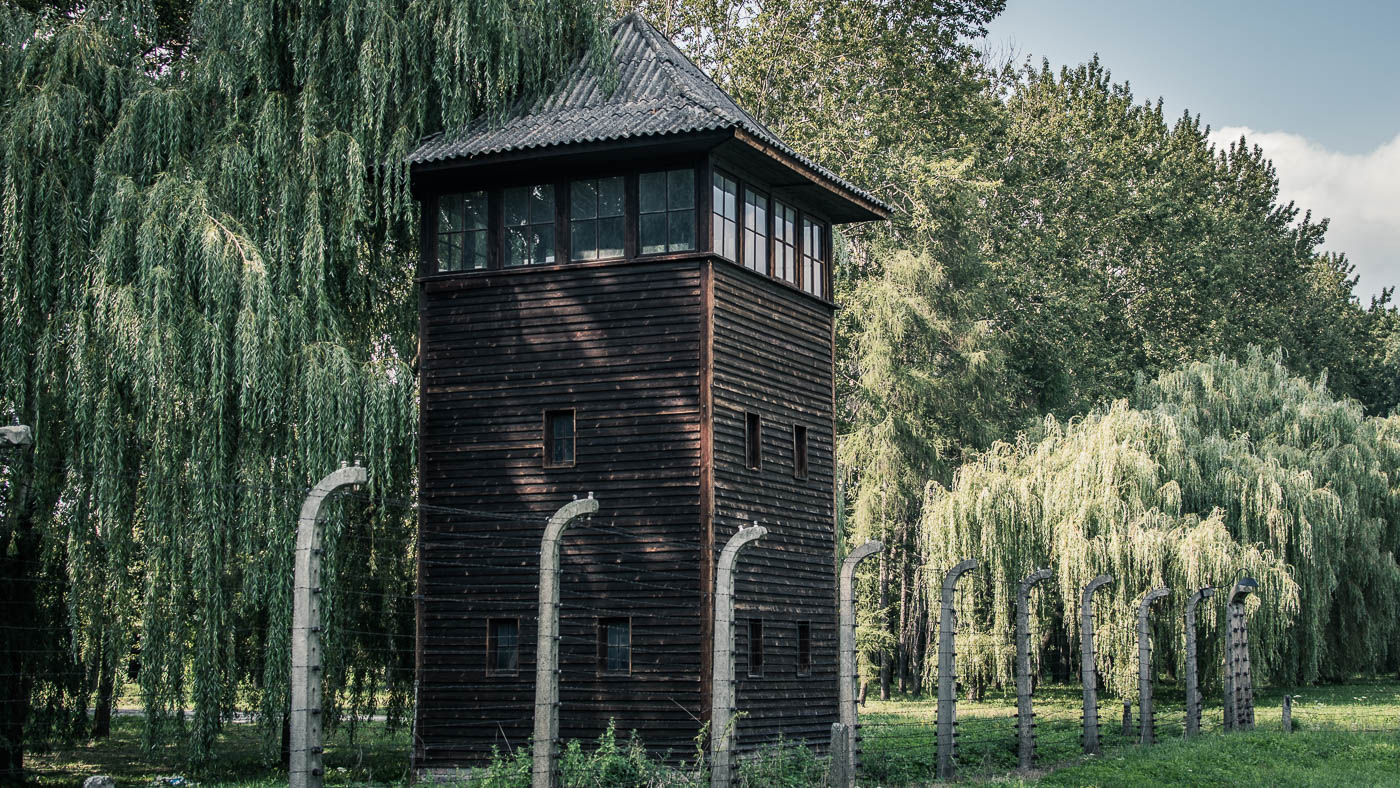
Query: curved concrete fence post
{"points": [[846, 636], [1025, 714], [544, 772], [1148, 735], [1193, 687], [304, 769], [1086, 664], [1239, 683], [722, 680], [947, 679]]}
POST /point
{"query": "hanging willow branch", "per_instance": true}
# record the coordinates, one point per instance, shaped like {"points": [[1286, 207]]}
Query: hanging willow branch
{"points": [[208, 254], [1213, 470]]}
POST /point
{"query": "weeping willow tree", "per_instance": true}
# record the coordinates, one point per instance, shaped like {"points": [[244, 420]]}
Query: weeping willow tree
{"points": [[207, 254], [1218, 469]]}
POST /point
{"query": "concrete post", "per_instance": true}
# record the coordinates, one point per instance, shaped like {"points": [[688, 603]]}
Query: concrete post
{"points": [[840, 774], [1086, 664], [1287, 713], [305, 769], [1149, 733], [19, 435], [1239, 683], [1127, 719], [722, 662], [1025, 713], [1193, 687], [847, 678], [947, 679], [544, 772]]}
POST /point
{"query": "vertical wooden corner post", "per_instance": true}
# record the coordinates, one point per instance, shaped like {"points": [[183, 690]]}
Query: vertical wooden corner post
{"points": [[1086, 665], [305, 769], [846, 681], [544, 771], [947, 678], [1025, 713], [722, 662], [1239, 684], [1193, 686], [1148, 735]]}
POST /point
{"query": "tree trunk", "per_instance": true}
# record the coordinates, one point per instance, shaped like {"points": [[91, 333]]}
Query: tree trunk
{"points": [[19, 556], [885, 618], [106, 694], [902, 642]]}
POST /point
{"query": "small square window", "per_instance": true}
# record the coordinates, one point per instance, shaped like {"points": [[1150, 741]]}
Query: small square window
{"points": [[804, 648], [753, 441], [799, 451], [666, 211], [755, 647], [559, 438], [502, 647], [615, 646]]}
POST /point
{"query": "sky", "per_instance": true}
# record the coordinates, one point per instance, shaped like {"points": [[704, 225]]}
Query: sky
{"points": [[1316, 85]]}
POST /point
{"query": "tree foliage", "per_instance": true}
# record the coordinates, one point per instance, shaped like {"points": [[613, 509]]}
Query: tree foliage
{"points": [[1213, 470], [207, 244]]}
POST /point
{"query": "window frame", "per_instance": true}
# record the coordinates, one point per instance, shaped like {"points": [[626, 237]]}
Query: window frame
{"points": [[755, 672], [493, 644], [560, 251], [753, 440], [566, 208], [801, 452], [804, 648], [635, 210], [601, 628], [820, 262], [717, 219], [547, 443], [745, 230]]}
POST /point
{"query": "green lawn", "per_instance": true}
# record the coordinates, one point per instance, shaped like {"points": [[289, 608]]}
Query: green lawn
{"points": [[1345, 735]]}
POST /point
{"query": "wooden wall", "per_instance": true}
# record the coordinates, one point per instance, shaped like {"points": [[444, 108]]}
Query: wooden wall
{"points": [[772, 349], [622, 345]]}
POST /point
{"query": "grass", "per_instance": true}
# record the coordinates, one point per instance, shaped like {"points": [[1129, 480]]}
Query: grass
{"points": [[1346, 734]]}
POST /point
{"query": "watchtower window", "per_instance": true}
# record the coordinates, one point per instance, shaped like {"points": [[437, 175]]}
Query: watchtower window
{"points": [[726, 217], [529, 219], [502, 646], [755, 647], [559, 438], [461, 232], [666, 211], [595, 218], [804, 648], [756, 231], [615, 646], [753, 441], [813, 259], [784, 242], [799, 451]]}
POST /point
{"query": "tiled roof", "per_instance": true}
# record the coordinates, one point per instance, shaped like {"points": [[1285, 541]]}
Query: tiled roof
{"points": [[658, 91]]}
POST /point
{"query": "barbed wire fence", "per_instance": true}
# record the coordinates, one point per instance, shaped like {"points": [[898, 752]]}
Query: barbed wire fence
{"points": [[367, 641]]}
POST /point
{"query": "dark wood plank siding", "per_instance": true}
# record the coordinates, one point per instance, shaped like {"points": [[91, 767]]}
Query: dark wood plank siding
{"points": [[773, 356], [622, 346]]}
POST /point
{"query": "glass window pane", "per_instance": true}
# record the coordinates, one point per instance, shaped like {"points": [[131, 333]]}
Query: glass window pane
{"points": [[476, 249], [682, 230], [610, 196], [542, 203], [542, 242], [449, 252], [610, 237], [516, 246], [682, 189], [583, 239], [651, 192], [516, 204], [651, 232], [475, 204], [449, 213], [583, 199]]}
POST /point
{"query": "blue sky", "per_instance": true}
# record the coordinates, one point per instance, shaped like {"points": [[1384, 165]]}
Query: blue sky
{"points": [[1316, 85]]}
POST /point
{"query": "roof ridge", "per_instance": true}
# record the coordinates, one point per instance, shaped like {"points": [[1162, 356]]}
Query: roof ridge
{"points": [[666, 53]]}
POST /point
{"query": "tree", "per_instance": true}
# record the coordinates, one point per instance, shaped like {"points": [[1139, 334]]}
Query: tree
{"points": [[208, 252], [1211, 470]]}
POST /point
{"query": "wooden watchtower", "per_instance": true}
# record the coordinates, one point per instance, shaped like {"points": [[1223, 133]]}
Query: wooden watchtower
{"points": [[625, 291]]}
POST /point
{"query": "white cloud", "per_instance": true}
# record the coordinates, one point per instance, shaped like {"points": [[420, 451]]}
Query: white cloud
{"points": [[1360, 193]]}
